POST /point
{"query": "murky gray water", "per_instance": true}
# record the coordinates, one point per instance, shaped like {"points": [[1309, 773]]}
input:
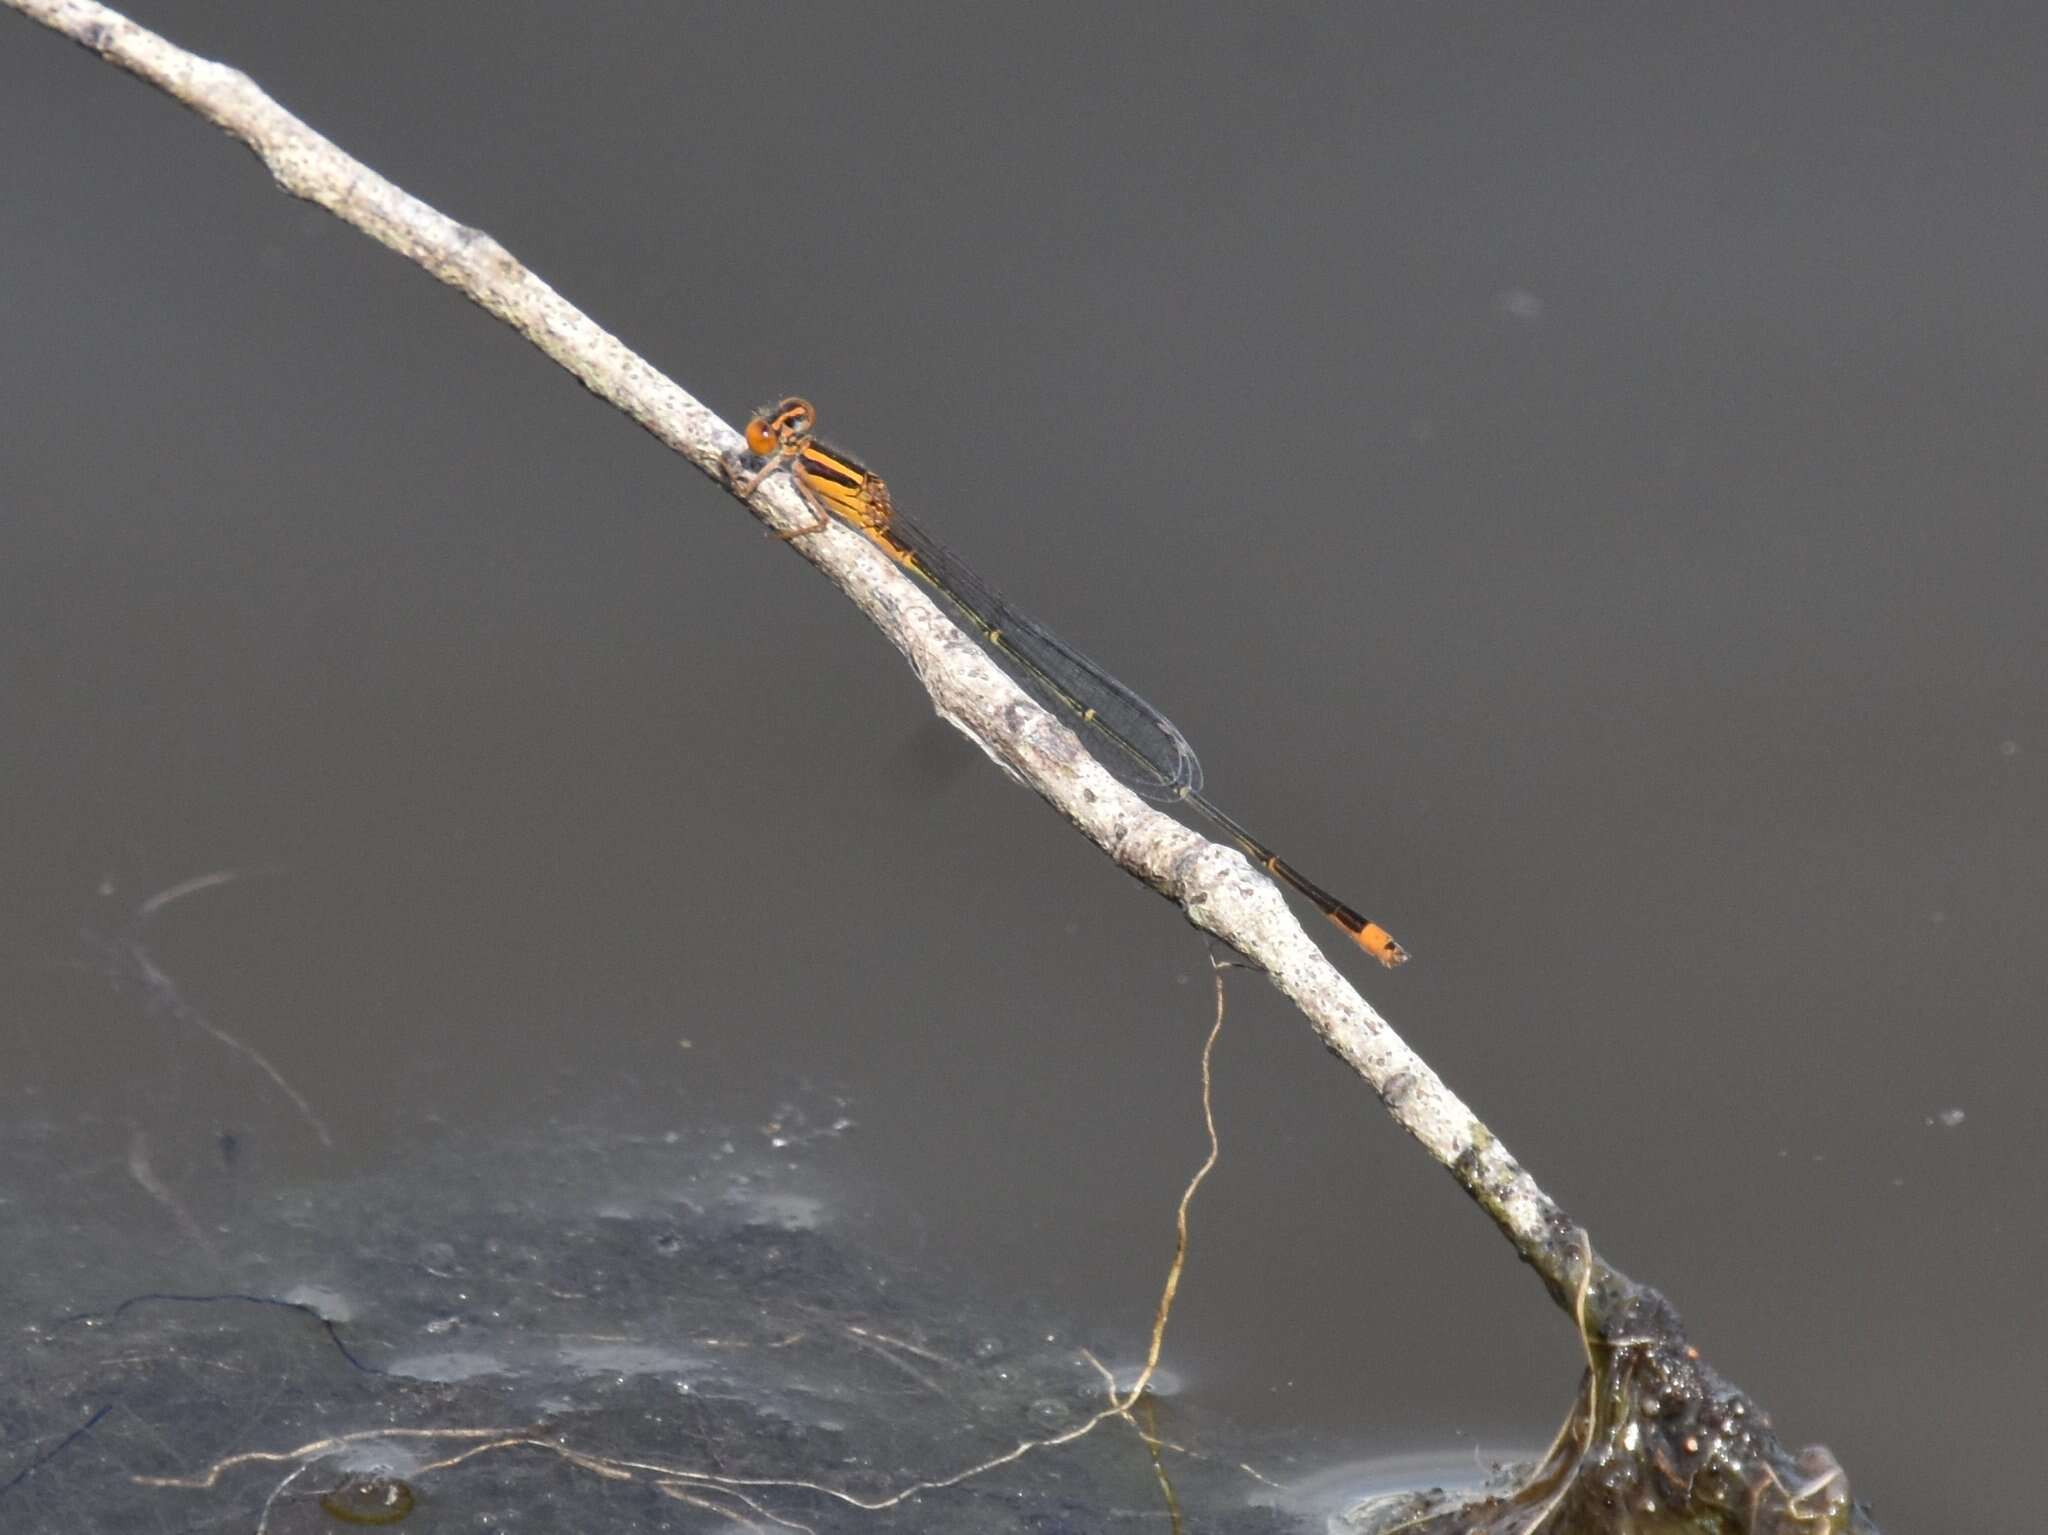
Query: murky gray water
{"points": [[1577, 480], [574, 1329]]}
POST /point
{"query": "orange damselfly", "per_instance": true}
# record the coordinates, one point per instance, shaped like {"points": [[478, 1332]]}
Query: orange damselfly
{"points": [[1137, 743]]}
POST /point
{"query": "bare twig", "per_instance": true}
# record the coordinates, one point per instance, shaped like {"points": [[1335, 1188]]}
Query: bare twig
{"points": [[1215, 885]]}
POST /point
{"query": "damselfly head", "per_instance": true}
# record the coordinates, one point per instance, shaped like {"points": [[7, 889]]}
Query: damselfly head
{"points": [[778, 428]]}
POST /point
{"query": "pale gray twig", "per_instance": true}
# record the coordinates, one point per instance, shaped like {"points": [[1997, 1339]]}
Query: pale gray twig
{"points": [[1217, 887]]}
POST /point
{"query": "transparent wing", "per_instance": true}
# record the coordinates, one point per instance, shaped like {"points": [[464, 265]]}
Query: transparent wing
{"points": [[1140, 746]]}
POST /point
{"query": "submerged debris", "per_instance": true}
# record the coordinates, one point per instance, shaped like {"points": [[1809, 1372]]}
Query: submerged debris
{"points": [[633, 1334], [369, 1500], [1658, 1444]]}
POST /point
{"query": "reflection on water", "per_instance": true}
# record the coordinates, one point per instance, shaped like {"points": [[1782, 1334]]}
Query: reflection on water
{"points": [[595, 1325], [584, 1330]]}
